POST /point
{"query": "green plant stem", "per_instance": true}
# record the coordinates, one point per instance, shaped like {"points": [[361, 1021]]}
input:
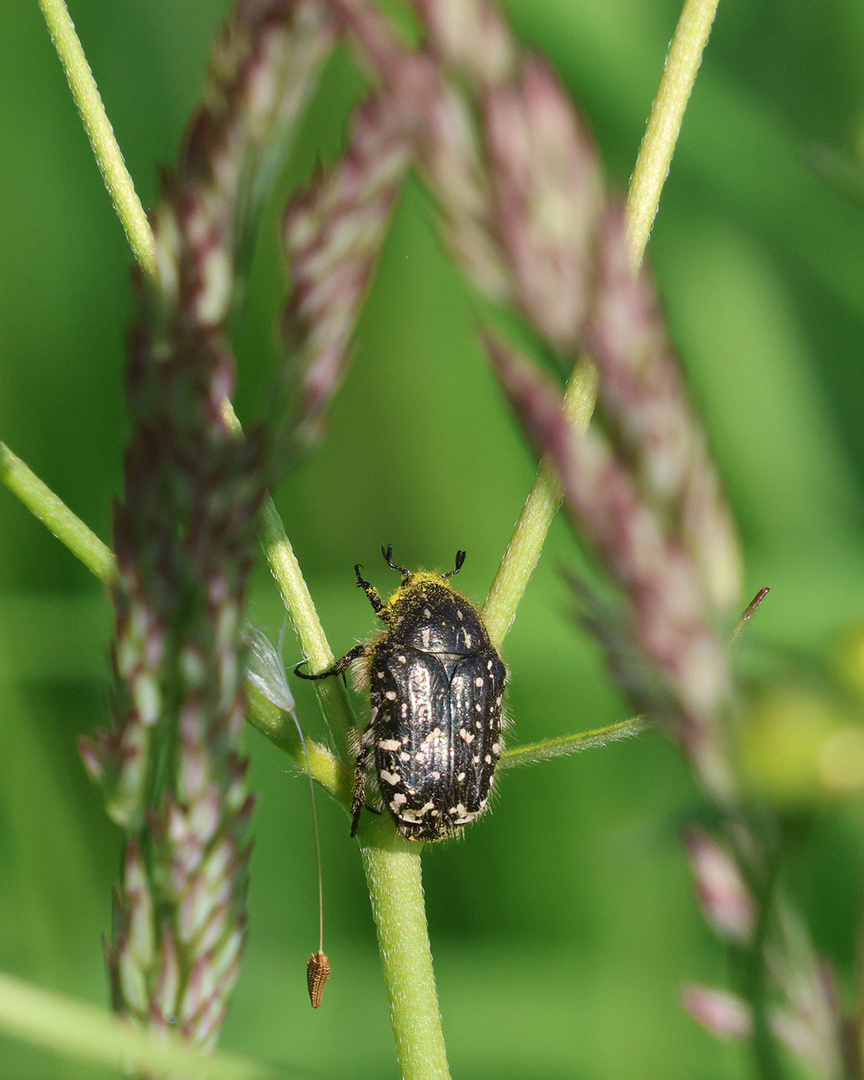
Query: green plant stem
{"points": [[540, 508], [396, 890], [303, 617], [534, 753], [649, 175], [281, 730], [307, 626], [109, 157], [69, 529], [80, 1030], [661, 135]]}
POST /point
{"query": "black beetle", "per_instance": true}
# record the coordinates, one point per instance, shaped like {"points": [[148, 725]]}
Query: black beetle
{"points": [[436, 684]]}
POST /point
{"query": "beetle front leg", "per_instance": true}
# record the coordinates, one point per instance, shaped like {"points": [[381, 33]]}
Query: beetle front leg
{"points": [[370, 590], [335, 669]]}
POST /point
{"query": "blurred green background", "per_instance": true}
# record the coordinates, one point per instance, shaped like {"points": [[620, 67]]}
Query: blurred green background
{"points": [[564, 924]]}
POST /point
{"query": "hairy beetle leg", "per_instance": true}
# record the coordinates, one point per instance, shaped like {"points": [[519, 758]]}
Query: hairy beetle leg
{"points": [[358, 786]]}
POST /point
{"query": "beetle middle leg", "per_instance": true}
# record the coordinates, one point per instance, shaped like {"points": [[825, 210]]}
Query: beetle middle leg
{"points": [[358, 786]]}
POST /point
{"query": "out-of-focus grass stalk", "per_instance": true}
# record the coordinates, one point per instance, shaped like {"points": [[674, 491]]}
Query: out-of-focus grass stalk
{"points": [[172, 770], [106, 149], [41, 500], [649, 175], [83, 1031]]}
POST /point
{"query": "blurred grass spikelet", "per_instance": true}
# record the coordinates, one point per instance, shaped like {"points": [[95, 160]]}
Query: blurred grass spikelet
{"points": [[172, 771]]}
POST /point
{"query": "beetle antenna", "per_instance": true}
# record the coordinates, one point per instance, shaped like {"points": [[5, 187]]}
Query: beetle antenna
{"points": [[460, 558], [388, 558]]}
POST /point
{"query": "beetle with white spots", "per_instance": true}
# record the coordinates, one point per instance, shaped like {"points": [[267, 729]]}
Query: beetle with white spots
{"points": [[435, 683]]}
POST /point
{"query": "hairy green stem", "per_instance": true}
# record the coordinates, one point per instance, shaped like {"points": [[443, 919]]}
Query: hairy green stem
{"points": [[396, 890], [307, 626], [106, 149], [534, 753], [661, 135], [540, 508], [56, 516]]}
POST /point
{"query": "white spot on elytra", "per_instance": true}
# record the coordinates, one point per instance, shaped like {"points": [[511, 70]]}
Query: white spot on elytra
{"points": [[404, 757], [478, 682], [389, 744], [461, 777], [467, 736], [390, 695], [427, 614], [392, 778]]}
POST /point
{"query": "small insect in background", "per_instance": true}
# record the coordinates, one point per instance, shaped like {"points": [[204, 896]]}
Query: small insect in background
{"points": [[436, 684]]}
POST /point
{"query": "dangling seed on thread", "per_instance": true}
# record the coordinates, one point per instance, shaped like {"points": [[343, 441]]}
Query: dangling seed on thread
{"points": [[317, 974], [267, 673]]}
